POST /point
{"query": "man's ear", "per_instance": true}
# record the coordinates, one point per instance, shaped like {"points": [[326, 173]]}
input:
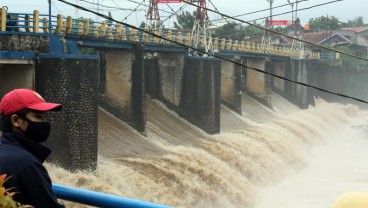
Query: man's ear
{"points": [[15, 120]]}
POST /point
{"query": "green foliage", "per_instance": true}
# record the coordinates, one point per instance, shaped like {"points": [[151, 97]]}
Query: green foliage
{"points": [[185, 20], [350, 63], [230, 30], [251, 31], [6, 197], [356, 22], [323, 22]]}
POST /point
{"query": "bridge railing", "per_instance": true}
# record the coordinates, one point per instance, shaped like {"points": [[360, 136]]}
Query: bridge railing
{"points": [[37, 22], [98, 199]]}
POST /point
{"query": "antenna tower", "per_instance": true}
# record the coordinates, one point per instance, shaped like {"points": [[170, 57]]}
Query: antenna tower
{"points": [[201, 37], [266, 39], [298, 33], [153, 16]]}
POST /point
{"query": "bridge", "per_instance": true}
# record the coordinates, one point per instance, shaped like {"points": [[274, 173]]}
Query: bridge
{"points": [[86, 64]]}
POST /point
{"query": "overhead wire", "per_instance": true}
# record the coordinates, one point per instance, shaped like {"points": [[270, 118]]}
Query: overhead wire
{"points": [[126, 18], [279, 33], [110, 7], [213, 55], [218, 11], [254, 12], [316, 5]]}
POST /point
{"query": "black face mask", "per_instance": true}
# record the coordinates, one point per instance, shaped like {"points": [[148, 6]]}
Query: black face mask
{"points": [[37, 131]]}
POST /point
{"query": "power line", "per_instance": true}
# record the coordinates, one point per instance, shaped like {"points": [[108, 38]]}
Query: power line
{"points": [[317, 5], [254, 12], [218, 11], [126, 18], [216, 56], [110, 7], [288, 36]]}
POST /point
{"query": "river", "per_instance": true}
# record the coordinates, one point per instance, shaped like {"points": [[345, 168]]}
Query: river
{"points": [[285, 157]]}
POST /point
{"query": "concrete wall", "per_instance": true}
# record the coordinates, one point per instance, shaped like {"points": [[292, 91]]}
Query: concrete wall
{"points": [[16, 76], [121, 85], [300, 92], [187, 85], [259, 84], [231, 85]]}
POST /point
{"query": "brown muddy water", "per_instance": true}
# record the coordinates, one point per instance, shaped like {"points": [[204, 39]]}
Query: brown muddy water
{"points": [[281, 157]]}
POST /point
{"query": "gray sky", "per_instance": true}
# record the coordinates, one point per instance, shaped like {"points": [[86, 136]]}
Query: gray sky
{"points": [[344, 10]]}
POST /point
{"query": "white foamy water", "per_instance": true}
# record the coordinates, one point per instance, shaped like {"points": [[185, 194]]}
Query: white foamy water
{"points": [[186, 168], [335, 167]]}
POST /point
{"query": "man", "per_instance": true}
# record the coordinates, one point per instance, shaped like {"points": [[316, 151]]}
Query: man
{"points": [[24, 126]]}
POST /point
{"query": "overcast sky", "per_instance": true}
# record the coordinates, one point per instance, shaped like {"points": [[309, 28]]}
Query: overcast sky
{"points": [[343, 10]]}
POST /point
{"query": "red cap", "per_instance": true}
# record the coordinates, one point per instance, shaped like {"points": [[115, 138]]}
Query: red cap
{"points": [[19, 99]]}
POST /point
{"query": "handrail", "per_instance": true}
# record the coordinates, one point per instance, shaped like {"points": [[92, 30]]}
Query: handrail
{"points": [[99, 199], [106, 30]]}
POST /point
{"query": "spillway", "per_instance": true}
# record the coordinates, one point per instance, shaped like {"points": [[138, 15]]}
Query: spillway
{"points": [[254, 160]]}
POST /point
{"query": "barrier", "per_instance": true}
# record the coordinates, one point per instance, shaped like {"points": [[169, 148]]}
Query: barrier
{"points": [[99, 199]]}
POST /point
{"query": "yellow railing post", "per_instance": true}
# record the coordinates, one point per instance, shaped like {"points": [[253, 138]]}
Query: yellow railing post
{"points": [[102, 29], [3, 19], [242, 45], [146, 37], [27, 24], [133, 35], [187, 39], [69, 24], [223, 43], [45, 25], [123, 34], [59, 24], [180, 37], [118, 32], [215, 44], [156, 39], [95, 31], [236, 45], [80, 27], [85, 26], [109, 32], [36, 20]]}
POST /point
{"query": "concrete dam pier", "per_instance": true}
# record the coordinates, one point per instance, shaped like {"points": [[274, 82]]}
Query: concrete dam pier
{"points": [[120, 75]]}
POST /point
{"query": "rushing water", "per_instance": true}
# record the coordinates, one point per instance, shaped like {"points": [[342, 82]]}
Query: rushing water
{"points": [[302, 158]]}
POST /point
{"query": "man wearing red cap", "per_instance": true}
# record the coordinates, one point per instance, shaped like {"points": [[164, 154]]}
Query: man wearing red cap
{"points": [[24, 127]]}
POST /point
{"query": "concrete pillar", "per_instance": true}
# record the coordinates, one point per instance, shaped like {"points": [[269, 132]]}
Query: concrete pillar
{"points": [[16, 76], [257, 83], [231, 85], [124, 93], [72, 82], [200, 103], [171, 73]]}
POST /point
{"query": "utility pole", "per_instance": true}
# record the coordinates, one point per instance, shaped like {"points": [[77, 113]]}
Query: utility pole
{"points": [[292, 10], [76, 10], [296, 8], [271, 3]]}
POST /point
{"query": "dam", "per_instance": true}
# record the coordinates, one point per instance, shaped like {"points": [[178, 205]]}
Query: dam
{"points": [[144, 120]]}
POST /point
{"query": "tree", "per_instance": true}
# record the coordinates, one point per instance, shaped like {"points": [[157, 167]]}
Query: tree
{"points": [[230, 30], [356, 22], [325, 23], [185, 20]]}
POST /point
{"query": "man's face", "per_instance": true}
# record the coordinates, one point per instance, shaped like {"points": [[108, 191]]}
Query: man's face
{"points": [[35, 116]]}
